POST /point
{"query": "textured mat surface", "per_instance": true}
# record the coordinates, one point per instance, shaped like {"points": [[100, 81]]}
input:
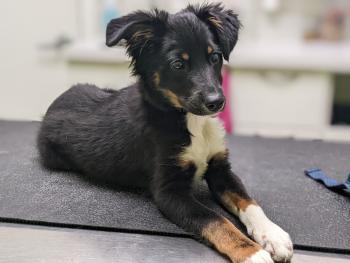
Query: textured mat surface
{"points": [[272, 170]]}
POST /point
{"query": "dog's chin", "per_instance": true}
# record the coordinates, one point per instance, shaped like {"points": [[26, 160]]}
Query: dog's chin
{"points": [[199, 111]]}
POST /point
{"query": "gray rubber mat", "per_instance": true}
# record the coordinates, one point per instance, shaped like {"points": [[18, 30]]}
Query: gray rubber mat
{"points": [[272, 170]]}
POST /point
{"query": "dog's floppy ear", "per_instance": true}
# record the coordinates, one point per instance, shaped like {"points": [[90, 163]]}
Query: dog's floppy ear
{"points": [[138, 29], [222, 22]]}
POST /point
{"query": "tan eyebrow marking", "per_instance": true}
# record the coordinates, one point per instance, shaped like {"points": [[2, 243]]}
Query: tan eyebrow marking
{"points": [[185, 56], [210, 49]]}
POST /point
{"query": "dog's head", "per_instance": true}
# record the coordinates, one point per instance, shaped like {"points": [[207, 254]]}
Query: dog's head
{"points": [[180, 55]]}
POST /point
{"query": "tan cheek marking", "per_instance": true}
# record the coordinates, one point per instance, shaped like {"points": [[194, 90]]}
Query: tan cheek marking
{"points": [[235, 202], [228, 240], [185, 56], [156, 79], [210, 49], [216, 22], [173, 98]]}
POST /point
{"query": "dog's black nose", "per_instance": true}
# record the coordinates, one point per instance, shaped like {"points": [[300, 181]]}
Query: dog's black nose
{"points": [[214, 102]]}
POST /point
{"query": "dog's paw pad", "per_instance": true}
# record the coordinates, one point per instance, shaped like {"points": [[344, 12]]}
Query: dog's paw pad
{"points": [[275, 241], [259, 257]]}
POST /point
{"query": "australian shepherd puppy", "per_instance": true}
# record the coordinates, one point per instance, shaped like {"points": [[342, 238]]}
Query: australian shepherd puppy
{"points": [[161, 133]]}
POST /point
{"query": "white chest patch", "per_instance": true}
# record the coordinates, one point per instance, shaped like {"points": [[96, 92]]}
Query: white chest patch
{"points": [[207, 140]]}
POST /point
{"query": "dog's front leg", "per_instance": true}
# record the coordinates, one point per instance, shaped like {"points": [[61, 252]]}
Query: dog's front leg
{"points": [[228, 189], [172, 194]]}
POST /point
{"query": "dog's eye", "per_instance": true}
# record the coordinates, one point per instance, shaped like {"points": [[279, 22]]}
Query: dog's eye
{"points": [[177, 64], [215, 58]]}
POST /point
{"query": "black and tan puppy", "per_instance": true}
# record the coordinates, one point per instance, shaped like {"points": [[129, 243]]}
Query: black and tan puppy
{"points": [[160, 133]]}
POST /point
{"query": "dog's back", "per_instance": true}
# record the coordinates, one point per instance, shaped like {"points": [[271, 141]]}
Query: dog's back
{"points": [[80, 98]]}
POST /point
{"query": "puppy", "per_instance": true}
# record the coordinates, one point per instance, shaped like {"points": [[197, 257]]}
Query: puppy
{"points": [[161, 133]]}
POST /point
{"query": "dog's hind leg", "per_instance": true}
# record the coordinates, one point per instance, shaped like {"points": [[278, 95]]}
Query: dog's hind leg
{"points": [[51, 158], [228, 189]]}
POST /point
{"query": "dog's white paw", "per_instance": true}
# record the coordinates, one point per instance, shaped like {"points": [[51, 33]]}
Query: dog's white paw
{"points": [[259, 257], [274, 240], [266, 233]]}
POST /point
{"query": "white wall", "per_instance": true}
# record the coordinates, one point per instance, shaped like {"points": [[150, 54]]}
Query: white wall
{"points": [[30, 79]]}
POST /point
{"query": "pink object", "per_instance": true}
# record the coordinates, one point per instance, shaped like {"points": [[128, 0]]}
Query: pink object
{"points": [[225, 115]]}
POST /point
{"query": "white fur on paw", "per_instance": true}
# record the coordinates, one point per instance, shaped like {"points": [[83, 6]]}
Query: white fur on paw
{"points": [[274, 240], [269, 235], [259, 257]]}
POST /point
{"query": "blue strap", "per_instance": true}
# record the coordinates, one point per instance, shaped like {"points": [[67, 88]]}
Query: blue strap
{"points": [[319, 175]]}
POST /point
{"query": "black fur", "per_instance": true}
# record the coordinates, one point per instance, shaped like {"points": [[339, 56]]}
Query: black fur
{"points": [[227, 34], [134, 136]]}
